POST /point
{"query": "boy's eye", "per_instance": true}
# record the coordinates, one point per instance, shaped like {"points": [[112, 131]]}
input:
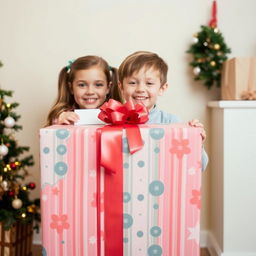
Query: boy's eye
{"points": [[132, 82], [150, 83]]}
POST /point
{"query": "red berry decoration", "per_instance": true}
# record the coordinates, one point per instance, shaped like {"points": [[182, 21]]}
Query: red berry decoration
{"points": [[32, 185], [13, 166]]}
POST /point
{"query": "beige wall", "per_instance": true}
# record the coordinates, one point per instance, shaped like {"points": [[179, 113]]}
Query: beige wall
{"points": [[39, 37]]}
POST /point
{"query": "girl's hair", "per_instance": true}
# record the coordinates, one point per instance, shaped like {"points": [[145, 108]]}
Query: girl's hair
{"points": [[138, 60], [65, 99]]}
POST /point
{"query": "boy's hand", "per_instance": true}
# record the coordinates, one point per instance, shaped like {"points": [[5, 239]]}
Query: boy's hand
{"points": [[196, 123], [67, 118]]}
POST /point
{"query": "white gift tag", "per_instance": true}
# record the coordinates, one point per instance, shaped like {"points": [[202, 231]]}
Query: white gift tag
{"points": [[88, 116]]}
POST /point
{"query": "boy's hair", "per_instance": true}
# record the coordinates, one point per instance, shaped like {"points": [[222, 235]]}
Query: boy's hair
{"points": [[65, 99], [143, 59]]}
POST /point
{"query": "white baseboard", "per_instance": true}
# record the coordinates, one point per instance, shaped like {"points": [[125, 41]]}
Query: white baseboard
{"points": [[208, 240]]}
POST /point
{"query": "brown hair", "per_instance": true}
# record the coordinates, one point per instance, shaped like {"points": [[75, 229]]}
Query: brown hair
{"points": [[65, 99], [138, 60]]}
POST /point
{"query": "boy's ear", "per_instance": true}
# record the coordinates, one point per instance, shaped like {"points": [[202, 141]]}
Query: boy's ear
{"points": [[162, 89], [120, 85]]}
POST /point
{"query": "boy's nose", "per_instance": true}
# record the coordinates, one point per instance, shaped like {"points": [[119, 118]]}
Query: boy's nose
{"points": [[140, 87]]}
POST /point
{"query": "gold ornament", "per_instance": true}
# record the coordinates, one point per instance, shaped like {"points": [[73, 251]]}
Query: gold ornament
{"points": [[216, 47], [213, 63], [31, 208]]}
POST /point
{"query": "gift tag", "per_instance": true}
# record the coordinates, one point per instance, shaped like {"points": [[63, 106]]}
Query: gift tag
{"points": [[88, 116]]}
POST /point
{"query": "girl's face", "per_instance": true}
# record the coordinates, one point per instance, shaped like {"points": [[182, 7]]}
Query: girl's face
{"points": [[90, 88], [143, 86]]}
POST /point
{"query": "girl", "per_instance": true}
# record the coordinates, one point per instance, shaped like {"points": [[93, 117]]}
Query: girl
{"points": [[85, 83]]}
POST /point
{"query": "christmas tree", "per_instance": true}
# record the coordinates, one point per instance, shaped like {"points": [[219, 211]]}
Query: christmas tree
{"points": [[209, 51], [15, 204]]}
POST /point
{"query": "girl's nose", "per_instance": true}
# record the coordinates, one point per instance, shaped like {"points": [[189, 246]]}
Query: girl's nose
{"points": [[89, 90]]}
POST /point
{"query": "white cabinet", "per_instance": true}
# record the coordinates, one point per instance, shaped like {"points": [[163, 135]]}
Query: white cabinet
{"points": [[233, 178]]}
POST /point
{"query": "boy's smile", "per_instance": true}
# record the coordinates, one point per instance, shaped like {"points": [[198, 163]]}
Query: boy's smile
{"points": [[143, 86]]}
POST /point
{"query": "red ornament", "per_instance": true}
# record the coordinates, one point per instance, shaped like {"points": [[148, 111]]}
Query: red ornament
{"points": [[32, 185], [11, 193], [13, 166]]}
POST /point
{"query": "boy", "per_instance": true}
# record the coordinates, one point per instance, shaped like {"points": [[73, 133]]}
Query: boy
{"points": [[142, 78]]}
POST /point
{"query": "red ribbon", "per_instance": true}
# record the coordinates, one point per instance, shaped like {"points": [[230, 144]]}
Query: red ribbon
{"points": [[109, 145], [213, 21]]}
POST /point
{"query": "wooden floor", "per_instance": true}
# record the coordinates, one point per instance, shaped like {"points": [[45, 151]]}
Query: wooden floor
{"points": [[37, 251]]}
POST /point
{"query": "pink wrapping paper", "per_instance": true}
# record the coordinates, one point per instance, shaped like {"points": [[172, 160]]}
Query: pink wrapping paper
{"points": [[162, 192]]}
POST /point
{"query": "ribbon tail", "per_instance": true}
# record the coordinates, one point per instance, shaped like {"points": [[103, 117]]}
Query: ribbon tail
{"points": [[98, 150], [134, 138], [111, 138]]}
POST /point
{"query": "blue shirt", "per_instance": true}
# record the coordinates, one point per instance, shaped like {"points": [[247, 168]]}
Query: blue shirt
{"points": [[157, 116]]}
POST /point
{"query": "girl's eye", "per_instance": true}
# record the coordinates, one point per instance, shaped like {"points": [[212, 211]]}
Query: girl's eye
{"points": [[150, 83], [131, 82], [81, 84], [99, 84]]}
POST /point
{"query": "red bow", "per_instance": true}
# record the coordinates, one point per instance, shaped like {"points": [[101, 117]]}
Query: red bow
{"points": [[116, 113]]}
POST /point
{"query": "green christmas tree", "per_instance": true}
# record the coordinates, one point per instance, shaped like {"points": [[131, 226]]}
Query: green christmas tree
{"points": [[15, 204], [209, 51]]}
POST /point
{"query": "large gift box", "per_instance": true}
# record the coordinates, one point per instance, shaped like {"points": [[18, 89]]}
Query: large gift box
{"points": [[239, 79], [159, 187]]}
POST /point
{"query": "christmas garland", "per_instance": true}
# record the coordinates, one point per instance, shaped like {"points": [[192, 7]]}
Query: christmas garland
{"points": [[209, 51]]}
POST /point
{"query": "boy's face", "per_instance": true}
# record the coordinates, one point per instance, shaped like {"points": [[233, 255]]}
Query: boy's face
{"points": [[143, 86]]}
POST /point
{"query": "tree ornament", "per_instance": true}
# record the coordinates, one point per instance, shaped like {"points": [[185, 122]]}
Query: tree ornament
{"points": [[216, 46], [5, 185], [194, 40], [196, 70], [3, 150], [9, 122], [13, 165], [211, 48], [23, 215], [32, 185], [17, 203], [213, 63], [11, 193]]}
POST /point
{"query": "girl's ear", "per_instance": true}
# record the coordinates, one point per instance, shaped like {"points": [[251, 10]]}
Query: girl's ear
{"points": [[70, 87], [162, 89]]}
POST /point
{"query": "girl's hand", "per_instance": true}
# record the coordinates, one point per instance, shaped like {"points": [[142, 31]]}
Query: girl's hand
{"points": [[196, 123], [67, 118]]}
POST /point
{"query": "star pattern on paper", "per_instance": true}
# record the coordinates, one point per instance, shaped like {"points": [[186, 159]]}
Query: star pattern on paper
{"points": [[92, 173], [92, 240], [194, 233]]}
